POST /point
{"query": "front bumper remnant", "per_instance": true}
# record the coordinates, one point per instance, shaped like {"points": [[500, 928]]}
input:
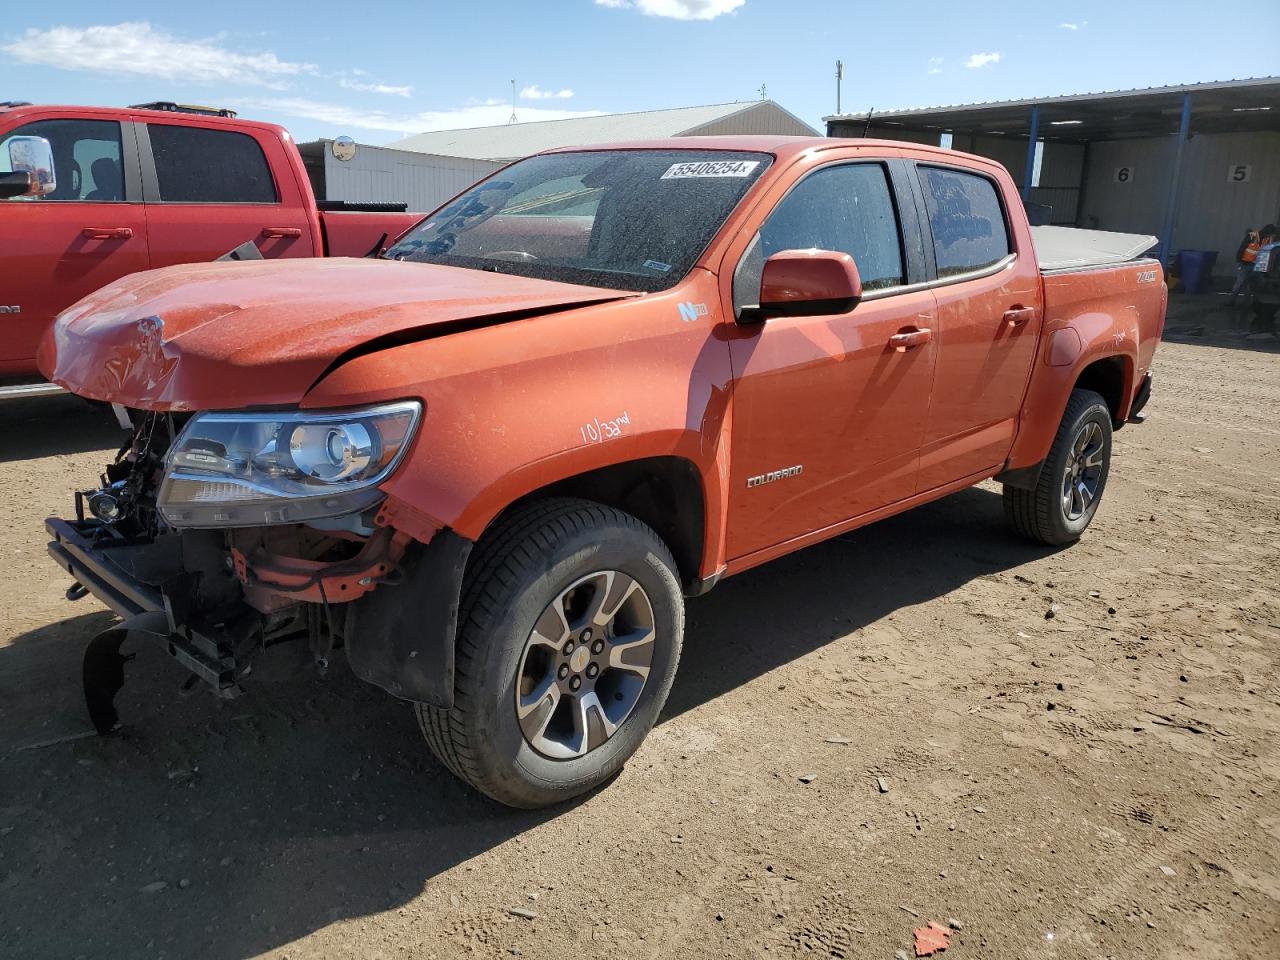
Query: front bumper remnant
{"points": [[128, 578]]}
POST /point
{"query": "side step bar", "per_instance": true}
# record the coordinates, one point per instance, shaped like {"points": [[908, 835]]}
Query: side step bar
{"points": [[17, 391]]}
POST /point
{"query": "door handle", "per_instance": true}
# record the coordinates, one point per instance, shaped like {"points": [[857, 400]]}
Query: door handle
{"points": [[282, 231], [1017, 316], [106, 233], [907, 339]]}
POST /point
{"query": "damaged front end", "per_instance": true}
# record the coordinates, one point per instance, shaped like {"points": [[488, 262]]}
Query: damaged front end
{"points": [[223, 536]]}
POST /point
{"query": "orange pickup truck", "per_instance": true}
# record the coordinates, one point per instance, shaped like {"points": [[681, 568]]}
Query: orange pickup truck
{"points": [[494, 462]]}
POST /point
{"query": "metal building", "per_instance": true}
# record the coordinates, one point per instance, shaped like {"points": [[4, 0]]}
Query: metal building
{"points": [[1194, 165], [423, 181], [517, 140]]}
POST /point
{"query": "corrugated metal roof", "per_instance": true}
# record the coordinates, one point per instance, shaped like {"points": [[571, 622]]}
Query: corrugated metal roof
{"points": [[512, 141], [1241, 84]]}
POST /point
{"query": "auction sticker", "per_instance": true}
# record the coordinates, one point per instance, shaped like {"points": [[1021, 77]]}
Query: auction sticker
{"points": [[711, 168]]}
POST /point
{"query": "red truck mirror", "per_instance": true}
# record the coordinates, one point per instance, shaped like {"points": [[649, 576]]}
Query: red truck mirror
{"points": [[809, 282], [31, 160]]}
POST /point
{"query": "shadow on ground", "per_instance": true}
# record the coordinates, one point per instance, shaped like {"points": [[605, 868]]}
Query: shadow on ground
{"points": [[37, 427], [314, 800]]}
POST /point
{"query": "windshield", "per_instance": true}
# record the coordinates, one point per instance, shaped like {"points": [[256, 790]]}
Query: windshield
{"points": [[623, 219]]}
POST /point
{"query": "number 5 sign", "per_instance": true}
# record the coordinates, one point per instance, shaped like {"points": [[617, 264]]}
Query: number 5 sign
{"points": [[1124, 174], [1239, 173]]}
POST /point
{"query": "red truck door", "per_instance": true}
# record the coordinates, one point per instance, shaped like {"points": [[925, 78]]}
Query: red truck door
{"points": [[989, 302], [209, 189], [58, 248], [830, 395]]}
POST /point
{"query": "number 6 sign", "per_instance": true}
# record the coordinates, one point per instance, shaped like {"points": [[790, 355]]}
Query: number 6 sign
{"points": [[1124, 174]]}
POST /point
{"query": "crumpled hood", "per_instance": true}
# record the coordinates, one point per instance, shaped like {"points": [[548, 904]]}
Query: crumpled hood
{"points": [[219, 336]]}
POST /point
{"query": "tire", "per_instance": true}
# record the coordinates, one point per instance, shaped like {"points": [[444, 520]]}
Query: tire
{"points": [[558, 555], [1046, 513]]}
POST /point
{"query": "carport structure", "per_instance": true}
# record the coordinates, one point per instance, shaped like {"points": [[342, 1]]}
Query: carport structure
{"points": [[1194, 164]]}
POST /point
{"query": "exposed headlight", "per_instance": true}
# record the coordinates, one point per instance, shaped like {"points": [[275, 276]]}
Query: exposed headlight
{"points": [[251, 469]]}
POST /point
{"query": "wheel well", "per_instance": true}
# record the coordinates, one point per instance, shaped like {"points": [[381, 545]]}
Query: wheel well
{"points": [[1105, 377], [663, 492]]}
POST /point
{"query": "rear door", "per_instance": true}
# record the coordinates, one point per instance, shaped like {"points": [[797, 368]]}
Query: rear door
{"points": [[989, 313], [208, 190], [58, 248], [828, 414]]}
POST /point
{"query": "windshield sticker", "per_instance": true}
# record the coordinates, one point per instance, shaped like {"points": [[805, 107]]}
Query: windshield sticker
{"points": [[711, 168], [655, 265]]}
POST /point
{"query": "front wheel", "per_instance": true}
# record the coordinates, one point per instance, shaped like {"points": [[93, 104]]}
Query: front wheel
{"points": [[1066, 497], [568, 639]]}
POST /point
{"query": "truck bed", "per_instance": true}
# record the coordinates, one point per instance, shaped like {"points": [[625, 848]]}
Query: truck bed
{"points": [[1069, 248]]}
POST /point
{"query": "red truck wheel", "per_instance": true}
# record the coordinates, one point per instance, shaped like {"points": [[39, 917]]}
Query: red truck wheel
{"points": [[1065, 498], [568, 639]]}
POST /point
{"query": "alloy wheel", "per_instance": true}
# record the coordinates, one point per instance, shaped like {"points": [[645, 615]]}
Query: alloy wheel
{"points": [[585, 664]]}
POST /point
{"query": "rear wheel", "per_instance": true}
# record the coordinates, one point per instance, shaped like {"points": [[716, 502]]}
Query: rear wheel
{"points": [[568, 639], [1063, 503]]}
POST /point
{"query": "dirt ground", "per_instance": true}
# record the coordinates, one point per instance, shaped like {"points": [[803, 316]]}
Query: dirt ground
{"points": [[1099, 783]]}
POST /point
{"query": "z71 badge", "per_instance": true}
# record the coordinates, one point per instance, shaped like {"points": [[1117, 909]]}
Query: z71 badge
{"points": [[1147, 276], [13, 309]]}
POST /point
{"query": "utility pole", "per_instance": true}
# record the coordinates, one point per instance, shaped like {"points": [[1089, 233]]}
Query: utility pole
{"points": [[764, 92], [839, 77], [513, 104]]}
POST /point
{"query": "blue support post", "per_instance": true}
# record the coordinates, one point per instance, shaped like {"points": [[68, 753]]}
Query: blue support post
{"points": [[1031, 152], [1171, 206]]}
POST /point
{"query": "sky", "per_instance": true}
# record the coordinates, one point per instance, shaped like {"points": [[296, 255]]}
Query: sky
{"points": [[381, 71]]}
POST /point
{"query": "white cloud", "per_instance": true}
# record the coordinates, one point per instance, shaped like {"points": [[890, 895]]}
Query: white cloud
{"points": [[139, 49], [935, 65], [535, 92], [1073, 26], [676, 9], [341, 116], [368, 87], [979, 60]]}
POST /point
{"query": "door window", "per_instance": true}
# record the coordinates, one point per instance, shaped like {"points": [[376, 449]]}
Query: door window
{"points": [[966, 219], [847, 208], [87, 158], [198, 165]]}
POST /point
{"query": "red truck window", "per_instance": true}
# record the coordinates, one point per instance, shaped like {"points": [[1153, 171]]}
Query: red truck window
{"points": [[198, 165], [966, 219], [848, 207], [87, 158]]}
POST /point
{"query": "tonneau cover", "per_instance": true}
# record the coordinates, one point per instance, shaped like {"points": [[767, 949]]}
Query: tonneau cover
{"points": [[1067, 248]]}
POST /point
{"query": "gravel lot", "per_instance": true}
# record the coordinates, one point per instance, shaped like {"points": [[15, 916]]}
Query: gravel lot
{"points": [[1099, 783]]}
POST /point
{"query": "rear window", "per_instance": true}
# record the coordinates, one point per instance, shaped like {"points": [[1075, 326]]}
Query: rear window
{"points": [[966, 219], [197, 165]]}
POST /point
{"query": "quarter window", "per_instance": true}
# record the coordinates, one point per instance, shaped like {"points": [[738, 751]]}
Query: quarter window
{"points": [[87, 158], [848, 208], [966, 219], [198, 165]]}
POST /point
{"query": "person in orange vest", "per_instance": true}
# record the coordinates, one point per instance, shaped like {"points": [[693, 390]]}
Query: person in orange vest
{"points": [[1245, 258]]}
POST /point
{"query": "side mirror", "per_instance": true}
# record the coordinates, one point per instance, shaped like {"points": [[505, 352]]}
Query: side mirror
{"points": [[808, 283], [31, 160]]}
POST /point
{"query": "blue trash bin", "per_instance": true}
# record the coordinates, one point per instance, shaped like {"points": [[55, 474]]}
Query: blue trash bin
{"points": [[1197, 269]]}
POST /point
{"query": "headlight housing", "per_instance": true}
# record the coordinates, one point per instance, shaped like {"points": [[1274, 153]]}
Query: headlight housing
{"points": [[254, 469]]}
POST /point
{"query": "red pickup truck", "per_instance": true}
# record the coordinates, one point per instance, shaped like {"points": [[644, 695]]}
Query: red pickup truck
{"points": [[494, 462], [90, 194]]}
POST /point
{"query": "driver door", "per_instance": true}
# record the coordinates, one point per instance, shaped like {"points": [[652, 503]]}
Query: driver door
{"points": [[828, 414], [58, 248]]}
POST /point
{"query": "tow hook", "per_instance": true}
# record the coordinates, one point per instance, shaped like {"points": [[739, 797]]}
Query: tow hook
{"points": [[77, 591]]}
